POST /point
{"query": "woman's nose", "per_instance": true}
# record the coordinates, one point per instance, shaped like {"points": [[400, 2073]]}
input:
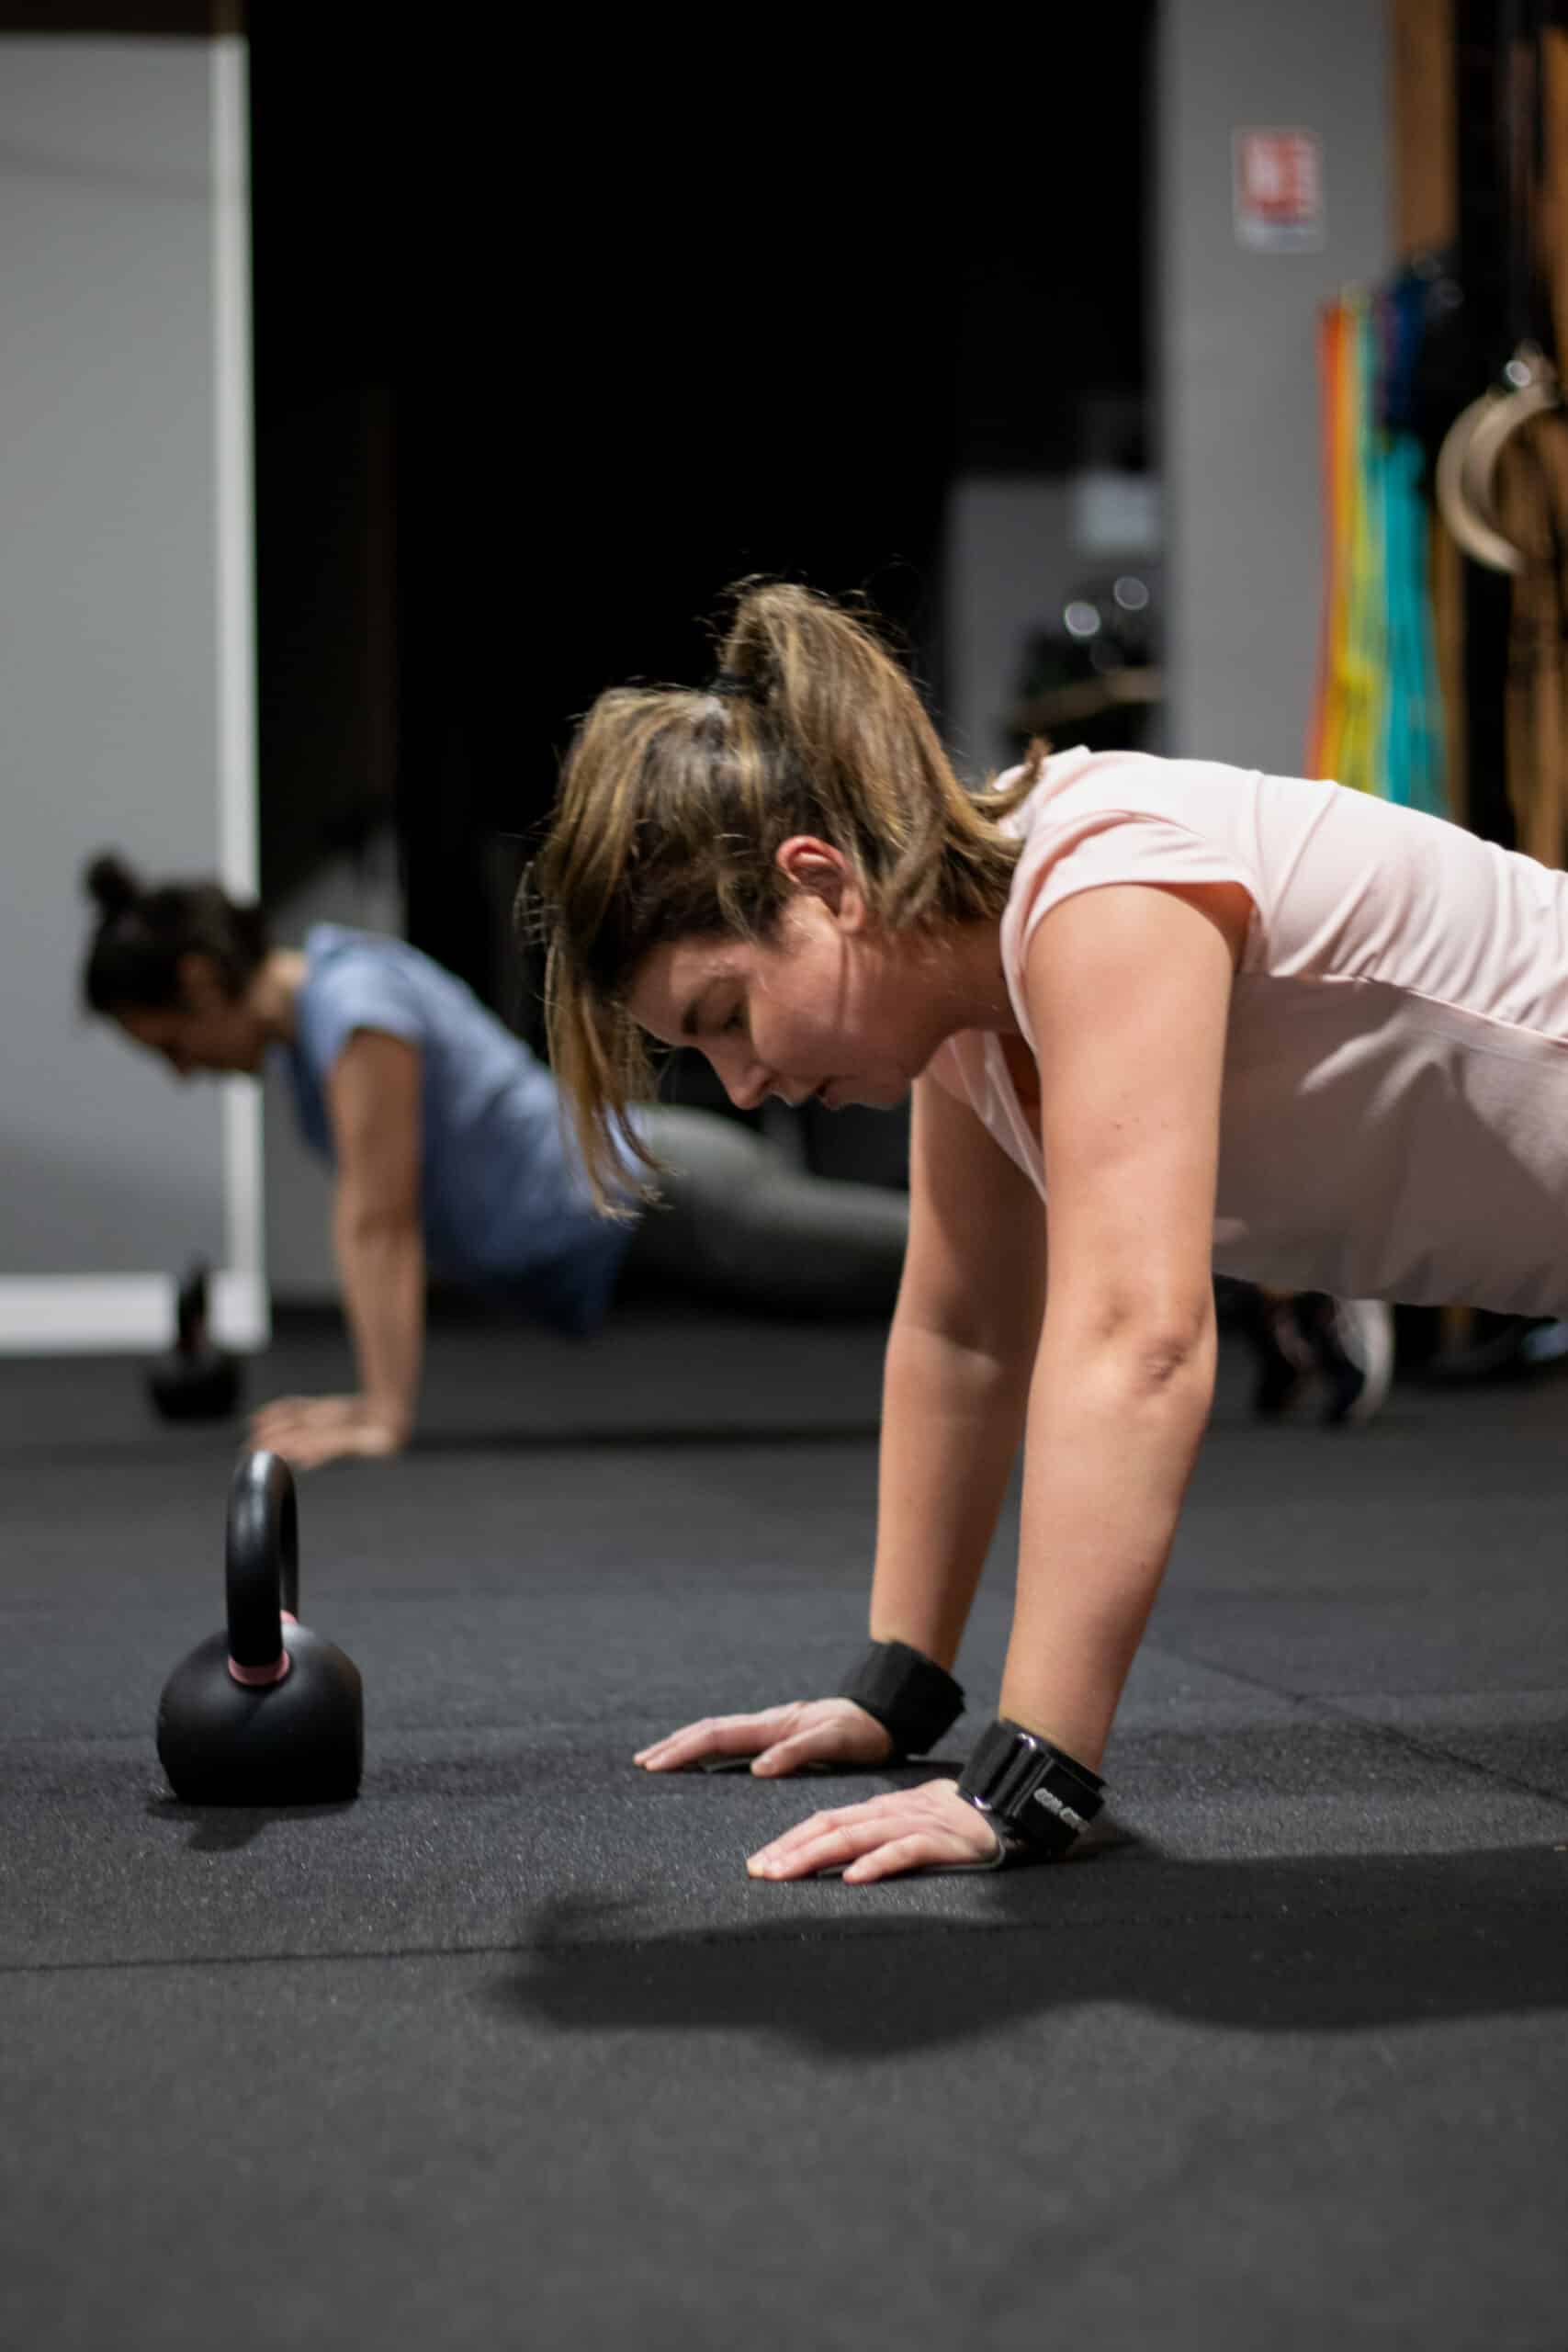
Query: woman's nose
{"points": [[744, 1080]]}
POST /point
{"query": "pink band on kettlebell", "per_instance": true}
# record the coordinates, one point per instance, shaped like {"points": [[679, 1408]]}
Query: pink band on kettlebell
{"points": [[257, 1676]]}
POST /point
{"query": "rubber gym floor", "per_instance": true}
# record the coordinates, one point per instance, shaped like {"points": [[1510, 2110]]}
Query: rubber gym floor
{"points": [[510, 2051]]}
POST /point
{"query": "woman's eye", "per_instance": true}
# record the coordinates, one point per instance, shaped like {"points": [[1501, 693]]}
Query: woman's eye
{"points": [[736, 1018]]}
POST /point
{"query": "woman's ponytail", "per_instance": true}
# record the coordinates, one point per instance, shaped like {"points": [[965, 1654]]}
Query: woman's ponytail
{"points": [[848, 717]]}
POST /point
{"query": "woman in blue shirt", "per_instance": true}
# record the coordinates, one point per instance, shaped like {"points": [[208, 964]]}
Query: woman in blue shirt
{"points": [[450, 1153]]}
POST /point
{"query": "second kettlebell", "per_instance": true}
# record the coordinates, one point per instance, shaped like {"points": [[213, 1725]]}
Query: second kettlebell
{"points": [[264, 1712], [196, 1381]]}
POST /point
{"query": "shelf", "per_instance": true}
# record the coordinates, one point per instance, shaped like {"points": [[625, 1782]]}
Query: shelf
{"points": [[1088, 698]]}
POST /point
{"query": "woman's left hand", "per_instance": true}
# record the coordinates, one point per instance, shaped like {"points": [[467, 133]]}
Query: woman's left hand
{"points": [[311, 1430], [907, 1830]]}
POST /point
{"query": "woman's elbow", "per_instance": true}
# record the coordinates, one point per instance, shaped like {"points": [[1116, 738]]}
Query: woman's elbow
{"points": [[1168, 1358], [376, 1221], [1150, 1346]]}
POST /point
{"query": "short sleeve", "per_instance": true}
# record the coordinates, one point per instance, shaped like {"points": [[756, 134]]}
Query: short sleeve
{"points": [[1108, 849], [356, 991]]}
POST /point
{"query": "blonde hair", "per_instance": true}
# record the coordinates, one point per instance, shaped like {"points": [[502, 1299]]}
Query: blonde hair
{"points": [[675, 801]]}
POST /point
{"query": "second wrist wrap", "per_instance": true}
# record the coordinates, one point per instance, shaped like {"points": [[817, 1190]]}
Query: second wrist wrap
{"points": [[1029, 1789], [914, 1700]]}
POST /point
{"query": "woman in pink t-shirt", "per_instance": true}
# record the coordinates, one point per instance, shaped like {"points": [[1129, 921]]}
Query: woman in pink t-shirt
{"points": [[1163, 1016]]}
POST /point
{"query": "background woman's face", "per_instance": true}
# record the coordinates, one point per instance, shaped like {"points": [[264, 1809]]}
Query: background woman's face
{"points": [[823, 1009], [206, 1030]]}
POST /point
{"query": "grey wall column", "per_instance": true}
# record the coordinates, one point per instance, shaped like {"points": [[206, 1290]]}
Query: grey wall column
{"points": [[127, 697], [1236, 336]]}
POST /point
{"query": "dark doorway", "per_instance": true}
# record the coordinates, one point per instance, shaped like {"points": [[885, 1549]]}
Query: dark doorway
{"points": [[549, 352]]}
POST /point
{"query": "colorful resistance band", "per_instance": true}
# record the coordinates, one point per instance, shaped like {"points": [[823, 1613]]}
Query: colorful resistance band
{"points": [[1376, 721]]}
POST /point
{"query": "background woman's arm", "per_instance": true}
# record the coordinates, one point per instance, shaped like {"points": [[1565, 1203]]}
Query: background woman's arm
{"points": [[373, 1101], [373, 1096]]}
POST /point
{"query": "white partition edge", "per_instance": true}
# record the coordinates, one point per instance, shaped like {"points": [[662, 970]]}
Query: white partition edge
{"points": [[111, 1314], [243, 1207], [78, 1314]]}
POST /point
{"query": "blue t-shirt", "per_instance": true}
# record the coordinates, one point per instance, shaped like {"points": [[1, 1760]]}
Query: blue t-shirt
{"points": [[504, 1200]]}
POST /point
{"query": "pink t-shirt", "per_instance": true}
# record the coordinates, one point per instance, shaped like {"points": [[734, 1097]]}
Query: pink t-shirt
{"points": [[1395, 1117]]}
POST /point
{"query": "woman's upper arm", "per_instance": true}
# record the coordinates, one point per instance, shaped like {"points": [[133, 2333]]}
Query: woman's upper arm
{"points": [[975, 1265], [1129, 994], [373, 1101]]}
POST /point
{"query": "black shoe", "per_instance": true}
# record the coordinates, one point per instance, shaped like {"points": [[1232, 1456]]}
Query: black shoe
{"points": [[1282, 1359], [1351, 1341]]}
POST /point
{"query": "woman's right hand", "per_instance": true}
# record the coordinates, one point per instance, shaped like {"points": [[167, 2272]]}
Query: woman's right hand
{"points": [[778, 1740]]}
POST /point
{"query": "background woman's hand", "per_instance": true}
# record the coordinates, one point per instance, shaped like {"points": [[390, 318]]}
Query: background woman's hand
{"points": [[908, 1829], [311, 1430], [779, 1739]]}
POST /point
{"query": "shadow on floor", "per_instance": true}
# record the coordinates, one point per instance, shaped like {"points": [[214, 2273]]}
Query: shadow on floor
{"points": [[230, 1828], [221, 1445], [1319, 1944], [606, 1436]]}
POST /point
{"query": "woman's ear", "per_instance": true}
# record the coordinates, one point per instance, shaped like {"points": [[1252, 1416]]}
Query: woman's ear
{"points": [[201, 990], [822, 872]]}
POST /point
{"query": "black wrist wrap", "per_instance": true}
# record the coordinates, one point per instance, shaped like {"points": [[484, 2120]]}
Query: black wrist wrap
{"points": [[1028, 1789], [912, 1697]]}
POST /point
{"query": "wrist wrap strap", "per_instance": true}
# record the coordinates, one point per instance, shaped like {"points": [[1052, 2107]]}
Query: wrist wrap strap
{"points": [[1030, 1792], [910, 1696]]}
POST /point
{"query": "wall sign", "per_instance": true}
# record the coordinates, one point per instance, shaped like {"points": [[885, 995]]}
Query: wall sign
{"points": [[1277, 186]]}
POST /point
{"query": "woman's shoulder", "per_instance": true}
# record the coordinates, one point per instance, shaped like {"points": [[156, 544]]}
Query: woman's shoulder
{"points": [[1169, 818], [1080, 782], [335, 946], [1099, 818], [359, 979], [339, 957], [363, 979]]}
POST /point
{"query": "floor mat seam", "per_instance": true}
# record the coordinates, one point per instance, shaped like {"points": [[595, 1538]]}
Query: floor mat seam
{"points": [[1340, 1713]]}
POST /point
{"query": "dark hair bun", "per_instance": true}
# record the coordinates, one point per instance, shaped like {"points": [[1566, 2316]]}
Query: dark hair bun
{"points": [[112, 883]]}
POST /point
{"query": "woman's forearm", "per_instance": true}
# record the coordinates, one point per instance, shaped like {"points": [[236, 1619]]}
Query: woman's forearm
{"points": [[952, 1418], [381, 1265], [1113, 1433]]}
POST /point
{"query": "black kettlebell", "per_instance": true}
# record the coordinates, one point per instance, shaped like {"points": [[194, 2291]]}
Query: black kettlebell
{"points": [[196, 1381], [264, 1712]]}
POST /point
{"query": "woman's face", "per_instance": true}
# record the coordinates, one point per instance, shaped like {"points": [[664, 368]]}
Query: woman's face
{"points": [[206, 1030], [828, 1007]]}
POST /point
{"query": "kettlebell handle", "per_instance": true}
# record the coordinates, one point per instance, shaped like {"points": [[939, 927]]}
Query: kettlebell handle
{"points": [[261, 1567]]}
